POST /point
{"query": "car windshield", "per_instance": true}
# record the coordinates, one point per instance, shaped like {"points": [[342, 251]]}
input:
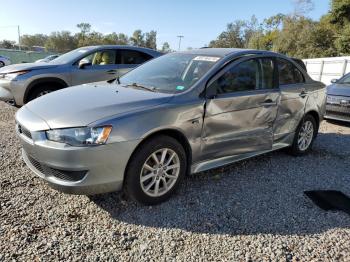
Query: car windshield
{"points": [[70, 56], [344, 80], [171, 73]]}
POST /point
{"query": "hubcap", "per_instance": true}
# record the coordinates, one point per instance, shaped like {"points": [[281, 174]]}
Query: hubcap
{"points": [[160, 172], [305, 135]]}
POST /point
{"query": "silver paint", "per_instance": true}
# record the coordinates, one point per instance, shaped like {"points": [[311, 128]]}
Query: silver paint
{"points": [[218, 130]]}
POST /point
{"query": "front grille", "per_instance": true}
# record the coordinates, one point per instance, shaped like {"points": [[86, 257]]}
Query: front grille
{"points": [[71, 176], [24, 131]]}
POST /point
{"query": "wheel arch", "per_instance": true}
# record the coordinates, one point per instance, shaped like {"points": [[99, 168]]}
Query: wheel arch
{"points": [[316, 116], [174, 133], [54, 80]]}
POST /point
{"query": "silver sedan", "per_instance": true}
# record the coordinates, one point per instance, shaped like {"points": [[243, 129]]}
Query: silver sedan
{"points": [[178, 114]]}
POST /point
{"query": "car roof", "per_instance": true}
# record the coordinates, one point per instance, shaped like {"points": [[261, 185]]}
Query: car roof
{"points": [[222, 52], [137, 48]]}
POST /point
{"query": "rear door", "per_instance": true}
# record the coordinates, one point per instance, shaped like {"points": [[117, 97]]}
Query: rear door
{"points": [[127, 59], [294, 96], [102, 67], [239, 118]]}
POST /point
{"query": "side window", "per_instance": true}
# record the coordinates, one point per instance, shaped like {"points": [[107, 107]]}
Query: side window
{"points": [[289, 73], [242, 77], [103, 57], [132, 57]]}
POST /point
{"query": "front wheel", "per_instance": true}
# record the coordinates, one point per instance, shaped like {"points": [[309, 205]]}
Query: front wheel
{"points": [[2, 64], [155, 170], [41, 91], [304, 136]]}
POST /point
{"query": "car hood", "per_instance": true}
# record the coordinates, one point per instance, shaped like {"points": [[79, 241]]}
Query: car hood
{"points": [[339, 90], [26, 66], [84, 104]]}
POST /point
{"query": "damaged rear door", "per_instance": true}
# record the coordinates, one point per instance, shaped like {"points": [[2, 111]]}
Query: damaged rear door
{"points": [[242, 104]]}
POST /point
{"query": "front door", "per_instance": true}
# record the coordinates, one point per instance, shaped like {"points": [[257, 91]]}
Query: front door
{"points": [[240, 118], [102, 67]]}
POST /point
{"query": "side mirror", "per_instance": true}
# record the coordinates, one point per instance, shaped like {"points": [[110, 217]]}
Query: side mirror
{"points": [[333, 81], [84, 63]]}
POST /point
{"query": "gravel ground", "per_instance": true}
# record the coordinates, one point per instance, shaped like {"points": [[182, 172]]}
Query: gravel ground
{"points": [[252, 210]]}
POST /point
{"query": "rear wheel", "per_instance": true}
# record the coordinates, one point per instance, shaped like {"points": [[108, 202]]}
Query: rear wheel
{"points": [[156, 170], [2, 64], [304, 136]]}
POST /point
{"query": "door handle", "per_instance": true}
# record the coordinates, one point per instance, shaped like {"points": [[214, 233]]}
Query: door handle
{"points": [[111, 72], [268, 102], [303, 94]]}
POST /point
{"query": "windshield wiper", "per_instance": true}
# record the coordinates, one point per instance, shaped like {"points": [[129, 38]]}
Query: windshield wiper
{"points": [[152, 88]]}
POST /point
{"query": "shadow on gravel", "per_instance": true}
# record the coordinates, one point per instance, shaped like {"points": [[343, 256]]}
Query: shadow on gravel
{"points": [[263, 195]]}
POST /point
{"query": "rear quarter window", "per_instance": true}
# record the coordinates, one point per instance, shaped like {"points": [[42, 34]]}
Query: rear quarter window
{"points": [[132, 57], [288, 73]]}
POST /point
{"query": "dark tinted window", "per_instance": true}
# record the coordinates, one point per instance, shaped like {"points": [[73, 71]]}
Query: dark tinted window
{"points": [[132, 57], [249, 75], [242, 77], [289, 73]]}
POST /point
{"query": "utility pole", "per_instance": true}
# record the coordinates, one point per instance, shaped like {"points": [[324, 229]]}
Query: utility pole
{"points": [[19, 38], [180, 37]]}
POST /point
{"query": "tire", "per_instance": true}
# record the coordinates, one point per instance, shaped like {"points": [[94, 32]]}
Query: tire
{"points": [[299, 148], [165, 174], [2, 64], [40, 91]]}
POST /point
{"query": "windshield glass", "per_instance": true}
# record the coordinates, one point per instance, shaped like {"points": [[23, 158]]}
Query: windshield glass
{"points": [[344, 80], [172, 73], [70, 56]]}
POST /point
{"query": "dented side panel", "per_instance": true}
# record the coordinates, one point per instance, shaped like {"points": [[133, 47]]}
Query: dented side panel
{"points": [[239, 123]]}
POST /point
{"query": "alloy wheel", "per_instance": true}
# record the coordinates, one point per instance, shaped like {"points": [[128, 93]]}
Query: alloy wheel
{"points": [[45, 92], [306, 135], [160, 172]]}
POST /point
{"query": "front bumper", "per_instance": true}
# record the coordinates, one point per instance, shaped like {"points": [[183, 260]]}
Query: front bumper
{"points": [[5, 93], [12, 90], [76, 170], [338, 108]]}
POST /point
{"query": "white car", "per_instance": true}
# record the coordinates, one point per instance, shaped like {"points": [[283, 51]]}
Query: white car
{"points": [[4, 61]]}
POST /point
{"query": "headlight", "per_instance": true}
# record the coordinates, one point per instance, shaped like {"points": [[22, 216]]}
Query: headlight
{"points": [[13, 75], [80, 136]]}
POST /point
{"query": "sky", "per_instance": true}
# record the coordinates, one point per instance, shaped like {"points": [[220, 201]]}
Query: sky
{"points": [[199, 21]]}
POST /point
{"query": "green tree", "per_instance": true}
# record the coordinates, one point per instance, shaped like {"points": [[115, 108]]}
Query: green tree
{"points": [[231, 37], [34, 40], [61, 42], [122, 39], [151, 40], [7, 44], [340, 13], [137, 38], [85, 29], [166, 48]]}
